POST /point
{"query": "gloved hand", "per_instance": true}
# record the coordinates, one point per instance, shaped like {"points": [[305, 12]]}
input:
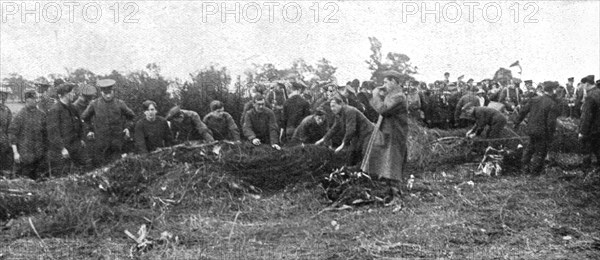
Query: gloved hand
{"points": [[256, 141]]}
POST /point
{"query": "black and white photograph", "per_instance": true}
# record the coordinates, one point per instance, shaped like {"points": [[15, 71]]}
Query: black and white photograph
{"points": [[360, 129]]}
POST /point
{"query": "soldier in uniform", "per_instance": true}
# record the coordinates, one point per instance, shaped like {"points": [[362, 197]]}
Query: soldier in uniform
{"points": [[542, 112], [485, 116], [356, 129], [311, 129], [511, 96], [108, 120], [260, 125], [589, 127], [187, 125], [5, 118], [221, 123], [469, 99], [65, 132], [28, 138]]}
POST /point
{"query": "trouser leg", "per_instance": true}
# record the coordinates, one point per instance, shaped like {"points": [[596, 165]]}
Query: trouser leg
{"points": [[540, 150]]}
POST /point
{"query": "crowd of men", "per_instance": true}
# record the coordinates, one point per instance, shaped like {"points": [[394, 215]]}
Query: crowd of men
{"points": [[368, 122]]}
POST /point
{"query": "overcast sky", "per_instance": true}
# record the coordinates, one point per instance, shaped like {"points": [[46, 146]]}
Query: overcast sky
{"points": [[551, 39]]}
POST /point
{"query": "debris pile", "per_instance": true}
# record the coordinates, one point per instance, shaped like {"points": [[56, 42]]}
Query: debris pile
{"points": [[346, 187], [497, 162]]}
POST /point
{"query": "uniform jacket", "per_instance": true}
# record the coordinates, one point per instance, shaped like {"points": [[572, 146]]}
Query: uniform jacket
{"points": [[467, 99], [65, 128], [355, 127], [28, 132], [222, 126], [590, 115], [191, 128], [295, 109], [261, 125], [309, 131], [485, 116], [107, 119], [5, 118], [543, 111]]}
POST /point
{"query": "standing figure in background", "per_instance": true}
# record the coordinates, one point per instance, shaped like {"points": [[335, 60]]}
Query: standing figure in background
{"points": [[363, 96], [542, 112], [295, 109], [107, 120], [589, 127], [65, 133], [469, 99], [28, 138], [275, 100], [389, 153], [221, 124], [5, 118]]}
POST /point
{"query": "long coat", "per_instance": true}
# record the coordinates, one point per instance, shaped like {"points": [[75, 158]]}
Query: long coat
{"points": [[542, 111], [590, 116], [65, 130], [390, 152]]}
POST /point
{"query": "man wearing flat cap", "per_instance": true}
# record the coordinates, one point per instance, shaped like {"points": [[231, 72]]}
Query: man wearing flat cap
{"points": [[45, 100], [87, 93], [581, 93], [65, 132], [589, 126], [28, 138], [108, 120], [541, 112], [5, 118], [387, 150]]}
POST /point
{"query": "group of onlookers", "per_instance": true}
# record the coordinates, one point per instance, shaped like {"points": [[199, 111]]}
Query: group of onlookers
{"points": [[369, 122]]}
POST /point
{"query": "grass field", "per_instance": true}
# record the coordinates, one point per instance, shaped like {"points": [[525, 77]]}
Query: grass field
{"points": [[448, 214]]}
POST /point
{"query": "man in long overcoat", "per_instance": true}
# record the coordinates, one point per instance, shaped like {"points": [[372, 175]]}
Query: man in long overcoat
{"points": [[589, 127], [389, 152], [541, 124]]}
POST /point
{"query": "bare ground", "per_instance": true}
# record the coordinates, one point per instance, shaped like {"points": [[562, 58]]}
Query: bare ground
{"points": [[449, 213]]}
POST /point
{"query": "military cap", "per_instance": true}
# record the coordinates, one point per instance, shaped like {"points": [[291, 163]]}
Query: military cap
{"points": [[549, 86], [571, 79], [589, 79], [87, 90], [105, 83], [528, 81], [65, 88], [391, 73]]}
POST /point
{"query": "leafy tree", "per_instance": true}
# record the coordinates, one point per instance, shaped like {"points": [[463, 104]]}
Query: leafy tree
{"points": [[325, 71], [17, 84], [393, 61]]}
